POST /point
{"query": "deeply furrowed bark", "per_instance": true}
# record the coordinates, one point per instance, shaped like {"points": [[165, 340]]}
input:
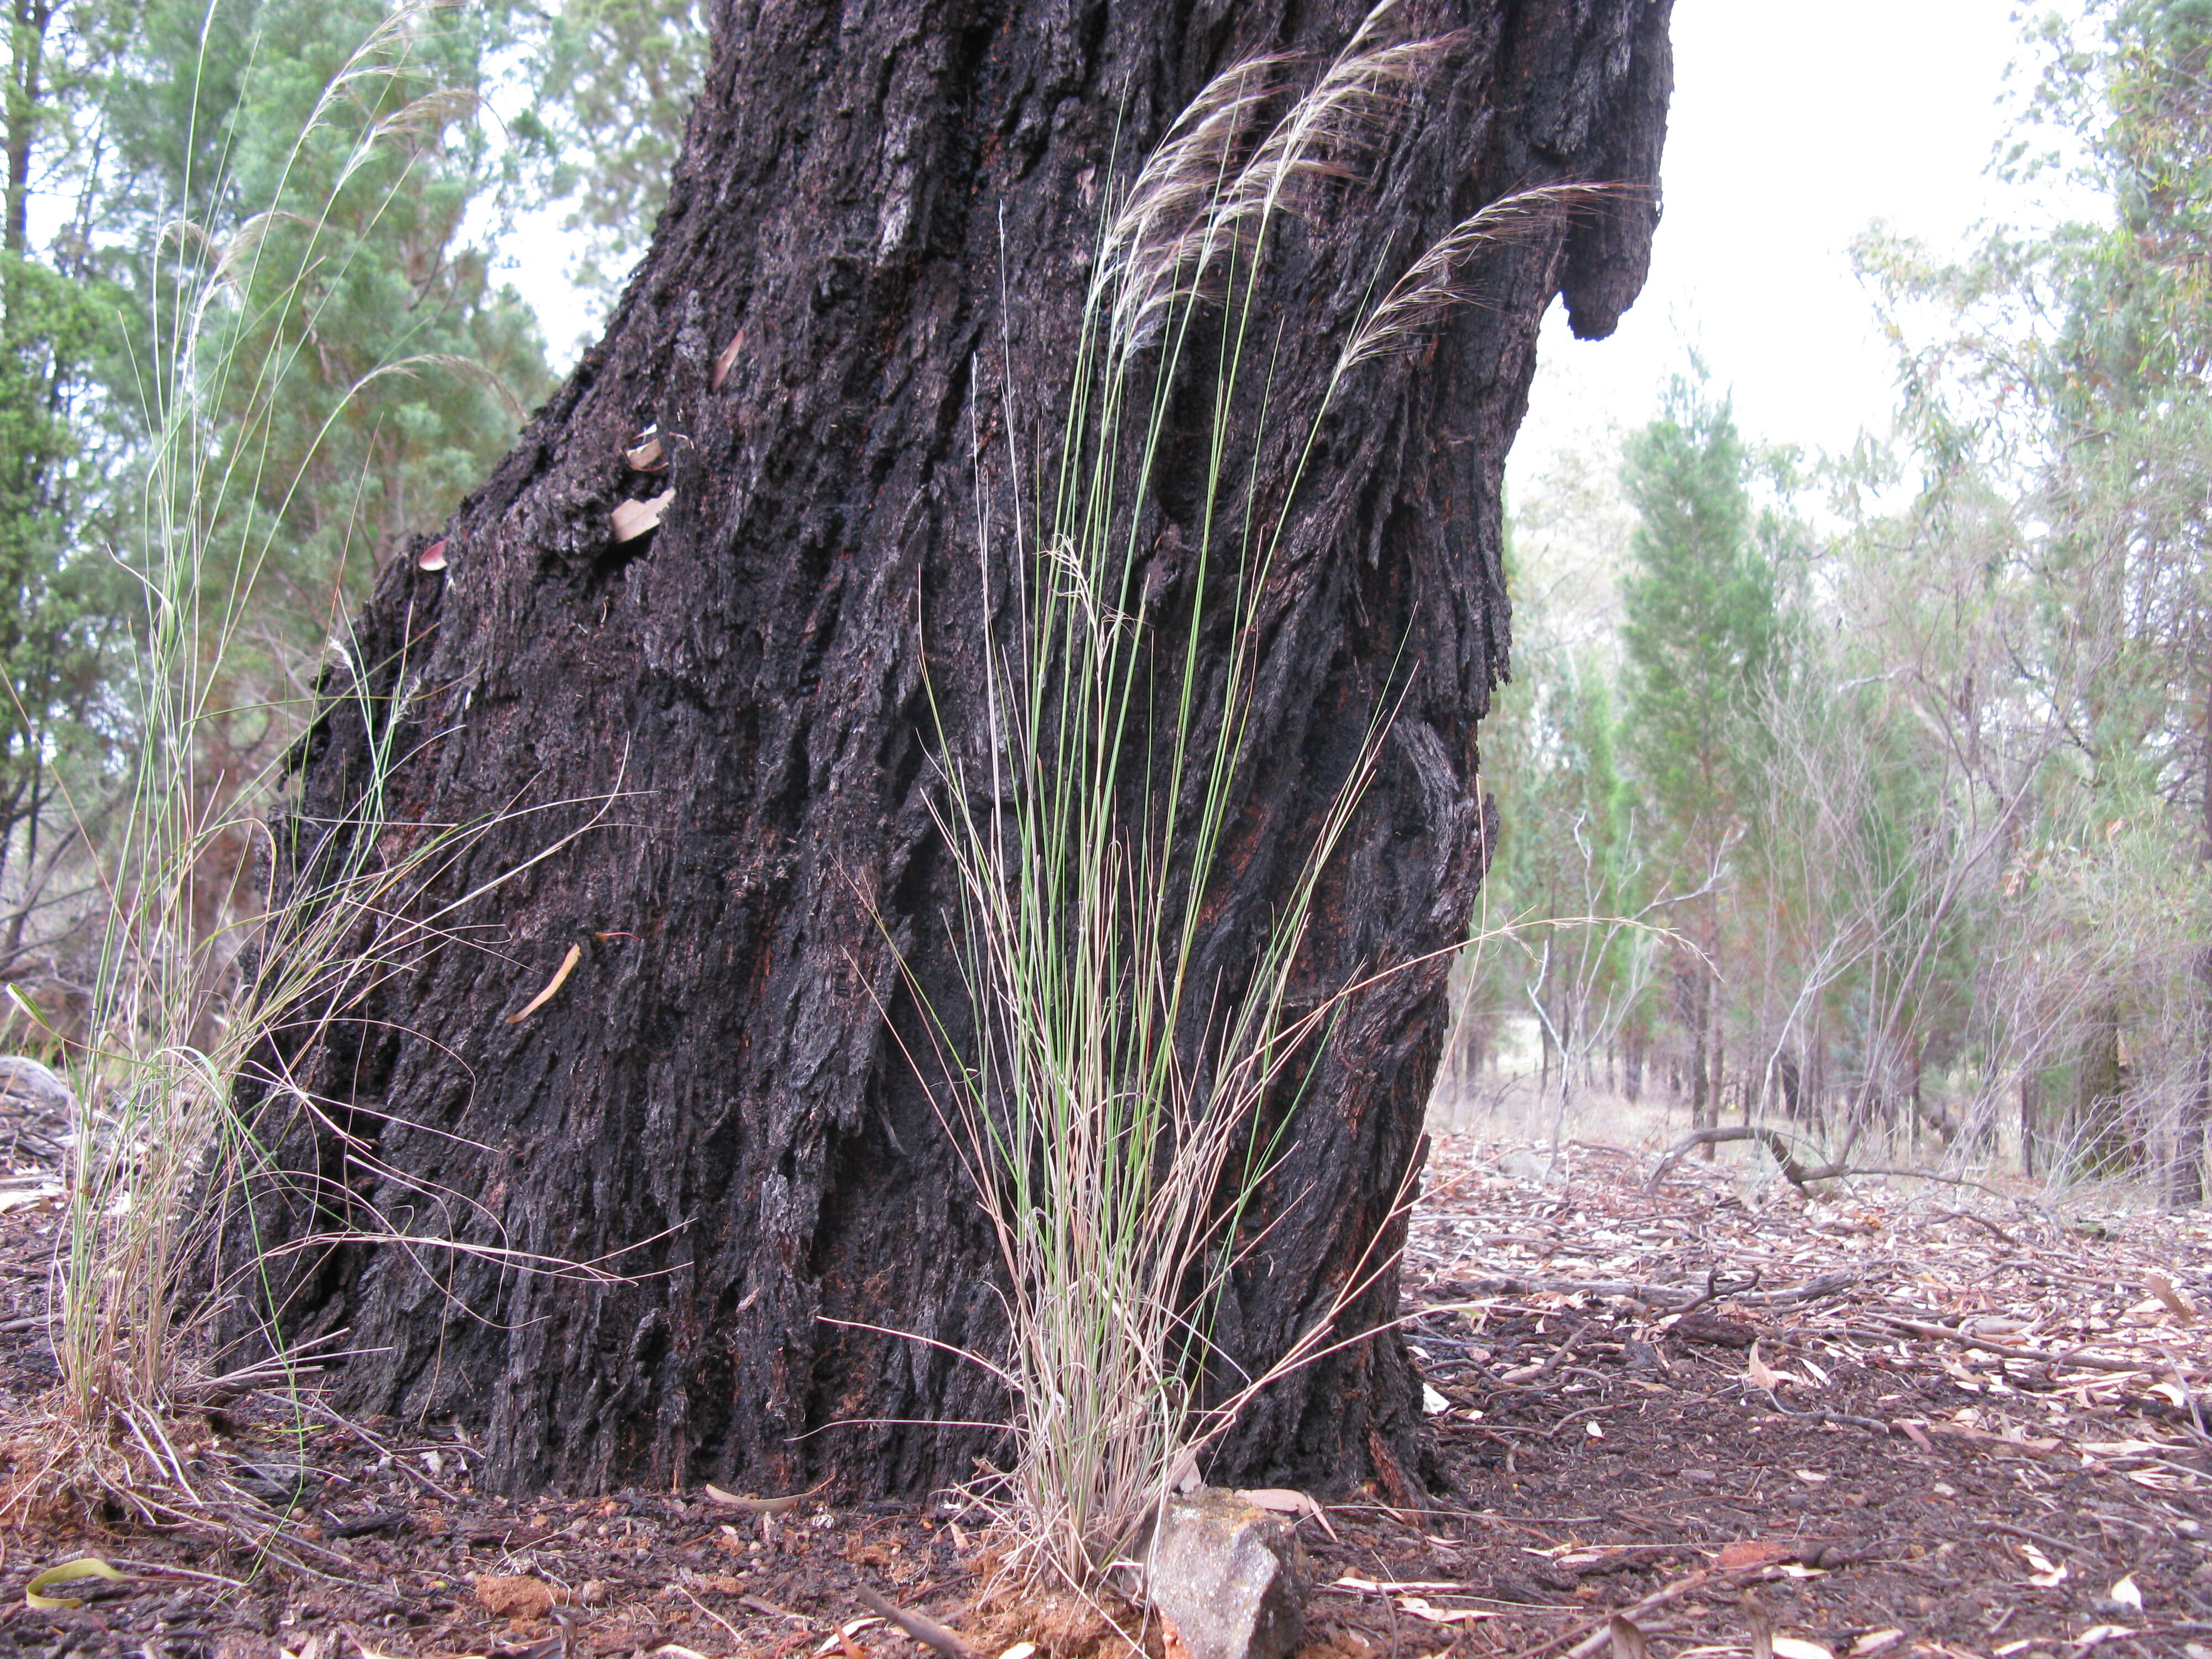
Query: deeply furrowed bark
{"points": [[859, 189]]}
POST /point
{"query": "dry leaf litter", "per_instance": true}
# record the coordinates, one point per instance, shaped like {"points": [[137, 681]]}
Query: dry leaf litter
{"points": [[1706, 1417]]}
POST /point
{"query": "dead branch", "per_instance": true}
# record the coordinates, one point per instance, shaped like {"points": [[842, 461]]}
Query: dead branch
{"points": [[924, 1630], [2075, 1358], [1671, 1299], [1773, 1140]]}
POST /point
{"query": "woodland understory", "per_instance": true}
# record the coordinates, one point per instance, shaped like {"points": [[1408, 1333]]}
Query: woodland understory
{"points": [[604, 940], [1887, 1416]]}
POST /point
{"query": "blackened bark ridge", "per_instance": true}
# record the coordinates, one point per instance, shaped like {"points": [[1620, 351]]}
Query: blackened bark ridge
{"points": [[858, 187]]}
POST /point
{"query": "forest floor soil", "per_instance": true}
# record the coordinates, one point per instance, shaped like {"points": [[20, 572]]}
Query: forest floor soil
{"points": [[1895, 1418]]}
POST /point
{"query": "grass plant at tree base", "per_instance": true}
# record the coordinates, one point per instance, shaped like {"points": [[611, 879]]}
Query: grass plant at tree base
{"points": [[1111, 1109], [200, 997]]}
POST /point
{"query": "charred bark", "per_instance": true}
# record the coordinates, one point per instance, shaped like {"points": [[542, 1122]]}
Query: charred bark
{"points": [[744, 696]]}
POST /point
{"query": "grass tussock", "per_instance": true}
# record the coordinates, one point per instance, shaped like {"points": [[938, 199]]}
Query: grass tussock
{"points": [[1117, 1113], [208, 998]]}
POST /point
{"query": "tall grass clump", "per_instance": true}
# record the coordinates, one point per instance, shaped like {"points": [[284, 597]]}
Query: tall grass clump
{"points": [[1113, 1107], [205, 993]]}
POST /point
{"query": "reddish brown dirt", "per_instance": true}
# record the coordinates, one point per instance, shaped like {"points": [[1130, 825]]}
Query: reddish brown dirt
{"points": [[1892, 1478]]}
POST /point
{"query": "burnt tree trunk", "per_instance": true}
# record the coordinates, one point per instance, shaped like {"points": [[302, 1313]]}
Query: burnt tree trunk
{"points": [[747, 693]]}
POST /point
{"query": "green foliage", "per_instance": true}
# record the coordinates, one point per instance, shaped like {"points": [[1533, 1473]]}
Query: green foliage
{"points": [[1700, 627], [273, 260], [370, 372], [57, 627], [57, 623], [613, 81]]}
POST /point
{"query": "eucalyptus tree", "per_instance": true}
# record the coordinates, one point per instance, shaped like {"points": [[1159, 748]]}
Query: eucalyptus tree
{"points": [[758, 639]]}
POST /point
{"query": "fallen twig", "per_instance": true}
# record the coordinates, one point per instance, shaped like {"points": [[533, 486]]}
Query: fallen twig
{"points": [[2075, 1358], [1590, 1637], [1773, 1140], [1669, 1298], [923, 1630], [1530, 1378], [1983, 1221]]}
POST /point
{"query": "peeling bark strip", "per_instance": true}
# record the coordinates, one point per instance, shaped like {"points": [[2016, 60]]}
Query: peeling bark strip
{"points": [[818, 339]]}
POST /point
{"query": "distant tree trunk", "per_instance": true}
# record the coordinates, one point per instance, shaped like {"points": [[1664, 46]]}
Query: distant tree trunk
{"points": [[2102, 1136], [28, 21], [1914, 1104], [2185, 1183], [1789, 1083], [713, 1090], [1694, 1005]]}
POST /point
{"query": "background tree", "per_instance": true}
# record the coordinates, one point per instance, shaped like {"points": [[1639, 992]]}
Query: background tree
{"points": [[2073, 380], [609, 84], [60, 622], [1698, 630]]}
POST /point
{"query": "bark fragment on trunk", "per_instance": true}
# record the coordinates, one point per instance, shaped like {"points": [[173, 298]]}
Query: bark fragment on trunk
{"points": [[744, 695]]}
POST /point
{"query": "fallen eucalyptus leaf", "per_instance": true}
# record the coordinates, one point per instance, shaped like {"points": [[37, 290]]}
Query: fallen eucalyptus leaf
{"points": [[2043, 1574], [1284, 1501], [1746, 1553], [1419, 1608], [2176, 1304], [847, 1630], [730, 1500], [560, 978], [87, 1566], [1762, 1375]]}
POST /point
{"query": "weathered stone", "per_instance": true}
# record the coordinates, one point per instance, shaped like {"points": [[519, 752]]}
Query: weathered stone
{"points": [[28, 1086], [1523, 1165], [1231, 1576]]}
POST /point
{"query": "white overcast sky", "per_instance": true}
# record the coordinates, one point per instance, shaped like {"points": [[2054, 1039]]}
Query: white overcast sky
{"points": [[1795, 124]]}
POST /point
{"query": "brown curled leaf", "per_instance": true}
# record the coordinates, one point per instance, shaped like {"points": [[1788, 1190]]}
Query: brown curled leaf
{"points": [[783, 1505], [647, 457], [560, 978]]}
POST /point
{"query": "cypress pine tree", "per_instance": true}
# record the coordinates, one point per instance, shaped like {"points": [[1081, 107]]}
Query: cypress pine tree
{"points": [[1700, 627]]}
